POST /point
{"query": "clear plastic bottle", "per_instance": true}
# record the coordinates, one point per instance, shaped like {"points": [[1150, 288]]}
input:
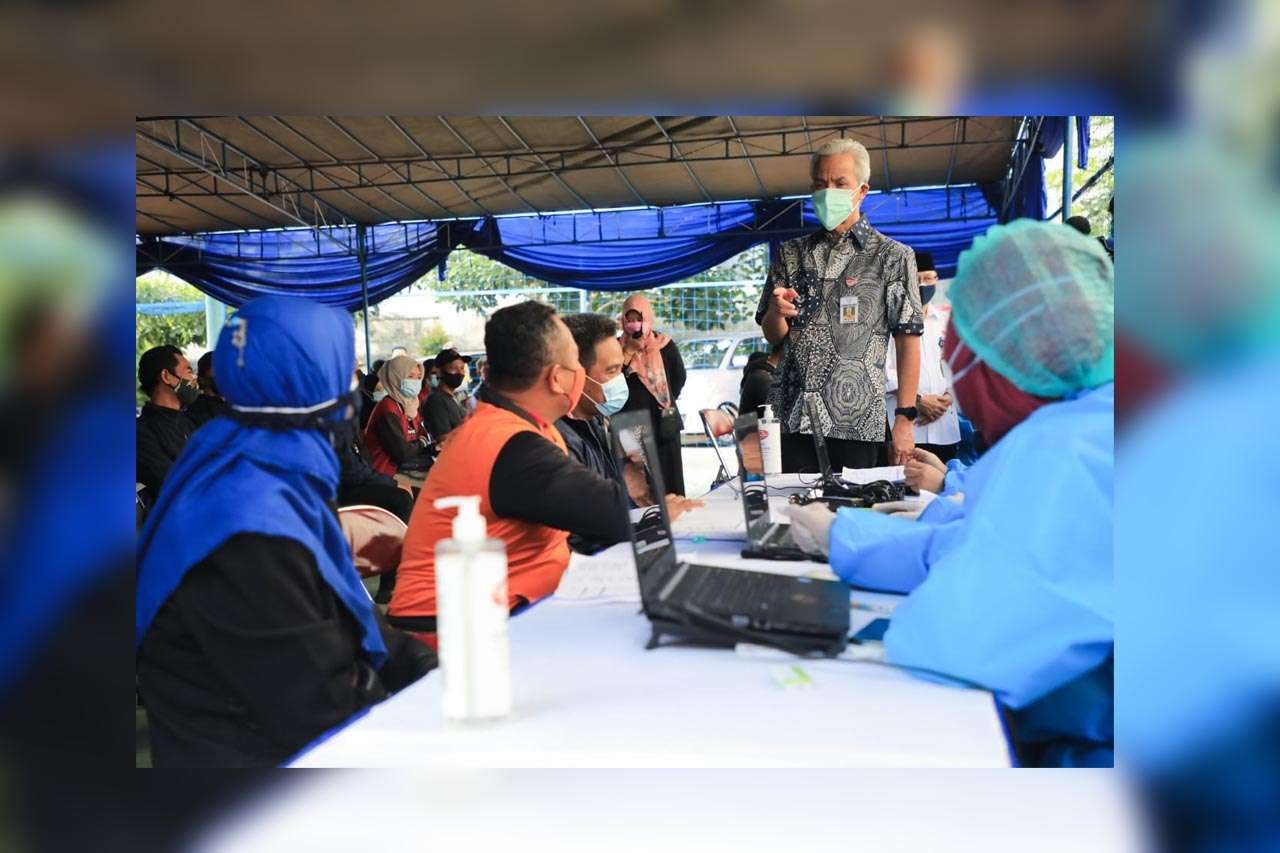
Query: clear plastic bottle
{"points": [[770, 443], [471, 617]]}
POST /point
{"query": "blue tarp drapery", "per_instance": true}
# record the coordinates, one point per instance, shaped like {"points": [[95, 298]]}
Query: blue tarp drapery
{"points": [[1051, 138], [234, 267], [655, 247], [605, 250], [1028, 199], [633, 249]]}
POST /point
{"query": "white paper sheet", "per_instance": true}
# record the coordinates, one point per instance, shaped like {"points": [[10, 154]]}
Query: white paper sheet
{"points": [[607, 576], [862, 476]]}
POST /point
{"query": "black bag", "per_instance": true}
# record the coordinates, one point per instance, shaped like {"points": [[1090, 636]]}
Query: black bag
{"points": [[669, 424]]}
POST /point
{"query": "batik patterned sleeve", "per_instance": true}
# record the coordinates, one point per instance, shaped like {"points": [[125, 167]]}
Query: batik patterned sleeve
{"points": [[902, 299], [777, 277]]}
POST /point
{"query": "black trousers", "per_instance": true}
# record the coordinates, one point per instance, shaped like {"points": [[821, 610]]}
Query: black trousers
{"points": [[391, 498], [672, 461], [799, 457]]}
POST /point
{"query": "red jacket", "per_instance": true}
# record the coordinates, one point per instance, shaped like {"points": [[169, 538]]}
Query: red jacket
{"points": [[379, 459]]}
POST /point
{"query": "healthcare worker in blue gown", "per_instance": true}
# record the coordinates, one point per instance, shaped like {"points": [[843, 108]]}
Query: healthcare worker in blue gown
{"points": [[254, 633], [1009, 574]]}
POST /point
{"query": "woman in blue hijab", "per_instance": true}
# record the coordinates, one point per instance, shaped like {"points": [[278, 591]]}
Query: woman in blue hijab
{"points": [[254, 633]]}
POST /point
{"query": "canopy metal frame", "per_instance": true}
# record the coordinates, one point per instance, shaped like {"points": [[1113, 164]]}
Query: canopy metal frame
{"points": [[183, 161]]}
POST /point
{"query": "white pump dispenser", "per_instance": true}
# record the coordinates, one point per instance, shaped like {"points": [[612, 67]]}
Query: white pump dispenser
{"points": [[471, 617], [770, 442]]}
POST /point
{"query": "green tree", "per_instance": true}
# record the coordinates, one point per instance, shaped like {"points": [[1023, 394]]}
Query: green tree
{"points": [[434, 340], [703, 309], [153, 330]]}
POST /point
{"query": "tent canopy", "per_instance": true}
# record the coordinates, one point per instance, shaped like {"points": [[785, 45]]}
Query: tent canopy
{"points": [[231, 173], [351, 210]]}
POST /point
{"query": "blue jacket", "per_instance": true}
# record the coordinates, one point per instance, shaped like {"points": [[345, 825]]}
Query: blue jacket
{"points": [[1012, 590]]}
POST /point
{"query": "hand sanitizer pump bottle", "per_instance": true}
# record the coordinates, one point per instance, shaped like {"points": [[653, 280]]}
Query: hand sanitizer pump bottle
{"points": [[471, 617], [770, 442]]}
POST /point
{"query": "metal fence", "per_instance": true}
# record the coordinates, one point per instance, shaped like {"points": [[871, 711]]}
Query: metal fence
{"points": [[684, 311]]}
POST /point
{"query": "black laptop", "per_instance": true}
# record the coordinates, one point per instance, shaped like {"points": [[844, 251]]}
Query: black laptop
{"points": [[716, 605], [766, 539], [831, 487]]}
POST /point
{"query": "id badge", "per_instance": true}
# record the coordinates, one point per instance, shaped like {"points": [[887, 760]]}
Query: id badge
{"points": [[848, 310]]}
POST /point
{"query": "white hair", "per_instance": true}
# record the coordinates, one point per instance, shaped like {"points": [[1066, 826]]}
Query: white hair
{"points": [[861, 159]]}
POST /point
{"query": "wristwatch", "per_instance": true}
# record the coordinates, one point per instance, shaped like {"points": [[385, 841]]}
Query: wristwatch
{"points": [[909, 412]]}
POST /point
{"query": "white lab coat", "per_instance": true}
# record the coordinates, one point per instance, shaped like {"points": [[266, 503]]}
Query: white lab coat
{"points": [[934, 379]]}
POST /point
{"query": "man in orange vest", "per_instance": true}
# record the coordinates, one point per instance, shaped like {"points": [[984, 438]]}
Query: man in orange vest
{"points": [[510, 454]]}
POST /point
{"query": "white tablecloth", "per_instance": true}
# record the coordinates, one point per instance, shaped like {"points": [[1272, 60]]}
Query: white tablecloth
{"points": [[588, 694]]}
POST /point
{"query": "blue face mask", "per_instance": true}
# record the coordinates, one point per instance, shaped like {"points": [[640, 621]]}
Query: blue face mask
{"points": [[379, 394], [435, 381], [410, 387], [615, 395]]}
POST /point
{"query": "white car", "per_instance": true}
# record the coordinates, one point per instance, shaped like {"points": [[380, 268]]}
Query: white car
{"points": [[713, 366]]}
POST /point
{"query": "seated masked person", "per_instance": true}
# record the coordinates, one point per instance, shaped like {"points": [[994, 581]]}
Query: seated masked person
{"points": [[441, 411], [359, 484], [209, 404], [585, 429], [533, 494], [395, 436], [1011, 588], [254, 633], [371, 393]]}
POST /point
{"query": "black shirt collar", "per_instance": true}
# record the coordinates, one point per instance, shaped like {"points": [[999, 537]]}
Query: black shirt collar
{"points": [[860, 234], [493, 398], [150, 409]]}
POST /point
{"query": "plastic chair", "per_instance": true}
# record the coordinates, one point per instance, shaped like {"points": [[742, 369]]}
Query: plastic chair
{"points": [[376, 537]]}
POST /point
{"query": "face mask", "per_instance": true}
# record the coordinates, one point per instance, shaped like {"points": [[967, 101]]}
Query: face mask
{"points": [[634, 328], [926, 293], [451, 380], [435, 381], [951, 366], [411, 387], [188, 392], [616, 393], [579, 382], [379, 395], [832, 206]]}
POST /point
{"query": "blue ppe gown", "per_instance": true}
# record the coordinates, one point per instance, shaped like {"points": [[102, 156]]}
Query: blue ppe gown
{"points": [[1012, 589]]}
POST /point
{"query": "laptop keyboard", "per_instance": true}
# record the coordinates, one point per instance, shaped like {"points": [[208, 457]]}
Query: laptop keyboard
{"points": [[737, 592]]}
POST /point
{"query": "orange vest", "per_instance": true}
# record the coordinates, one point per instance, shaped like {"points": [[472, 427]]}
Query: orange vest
{"points": [[537, 555]]}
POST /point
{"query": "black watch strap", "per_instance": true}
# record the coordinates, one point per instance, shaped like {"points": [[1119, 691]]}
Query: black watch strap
{"points": [[908, 412]]}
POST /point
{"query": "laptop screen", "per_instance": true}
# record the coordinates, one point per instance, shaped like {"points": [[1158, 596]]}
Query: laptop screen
{"points": [[819, 440], [650, 528], [755, 496]]}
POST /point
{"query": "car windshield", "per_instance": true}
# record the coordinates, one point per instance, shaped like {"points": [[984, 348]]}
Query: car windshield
{"points": [[703, 352], [745, 347]]}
